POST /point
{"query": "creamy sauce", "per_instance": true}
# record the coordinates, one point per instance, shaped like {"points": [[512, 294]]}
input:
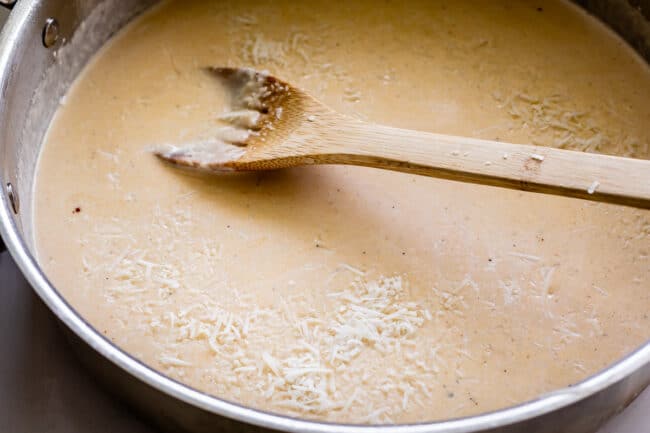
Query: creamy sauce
{"points": [[344, 293]]}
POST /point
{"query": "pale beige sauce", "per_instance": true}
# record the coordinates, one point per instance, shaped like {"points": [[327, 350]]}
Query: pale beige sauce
{"points": [[505, 295]]}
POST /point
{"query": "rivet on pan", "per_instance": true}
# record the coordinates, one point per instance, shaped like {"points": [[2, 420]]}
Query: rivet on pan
{"points": [[50, 32], [13, 198]]}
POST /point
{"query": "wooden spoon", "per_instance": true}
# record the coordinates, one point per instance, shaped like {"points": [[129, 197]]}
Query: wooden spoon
{"points": [[278, 125]]}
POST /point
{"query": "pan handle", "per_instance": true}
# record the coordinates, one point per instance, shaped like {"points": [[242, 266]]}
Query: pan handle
{"points": [[8, 3]]}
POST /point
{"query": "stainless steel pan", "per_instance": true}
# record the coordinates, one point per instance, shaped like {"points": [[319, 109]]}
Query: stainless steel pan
{"points": [[43, 47]]}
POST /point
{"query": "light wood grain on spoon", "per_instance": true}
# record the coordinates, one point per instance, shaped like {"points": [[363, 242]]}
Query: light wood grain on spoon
{"points": [[286, 127]]}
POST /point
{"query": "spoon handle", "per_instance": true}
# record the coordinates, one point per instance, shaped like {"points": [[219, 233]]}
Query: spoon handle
{"points": [[547, 170]]}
